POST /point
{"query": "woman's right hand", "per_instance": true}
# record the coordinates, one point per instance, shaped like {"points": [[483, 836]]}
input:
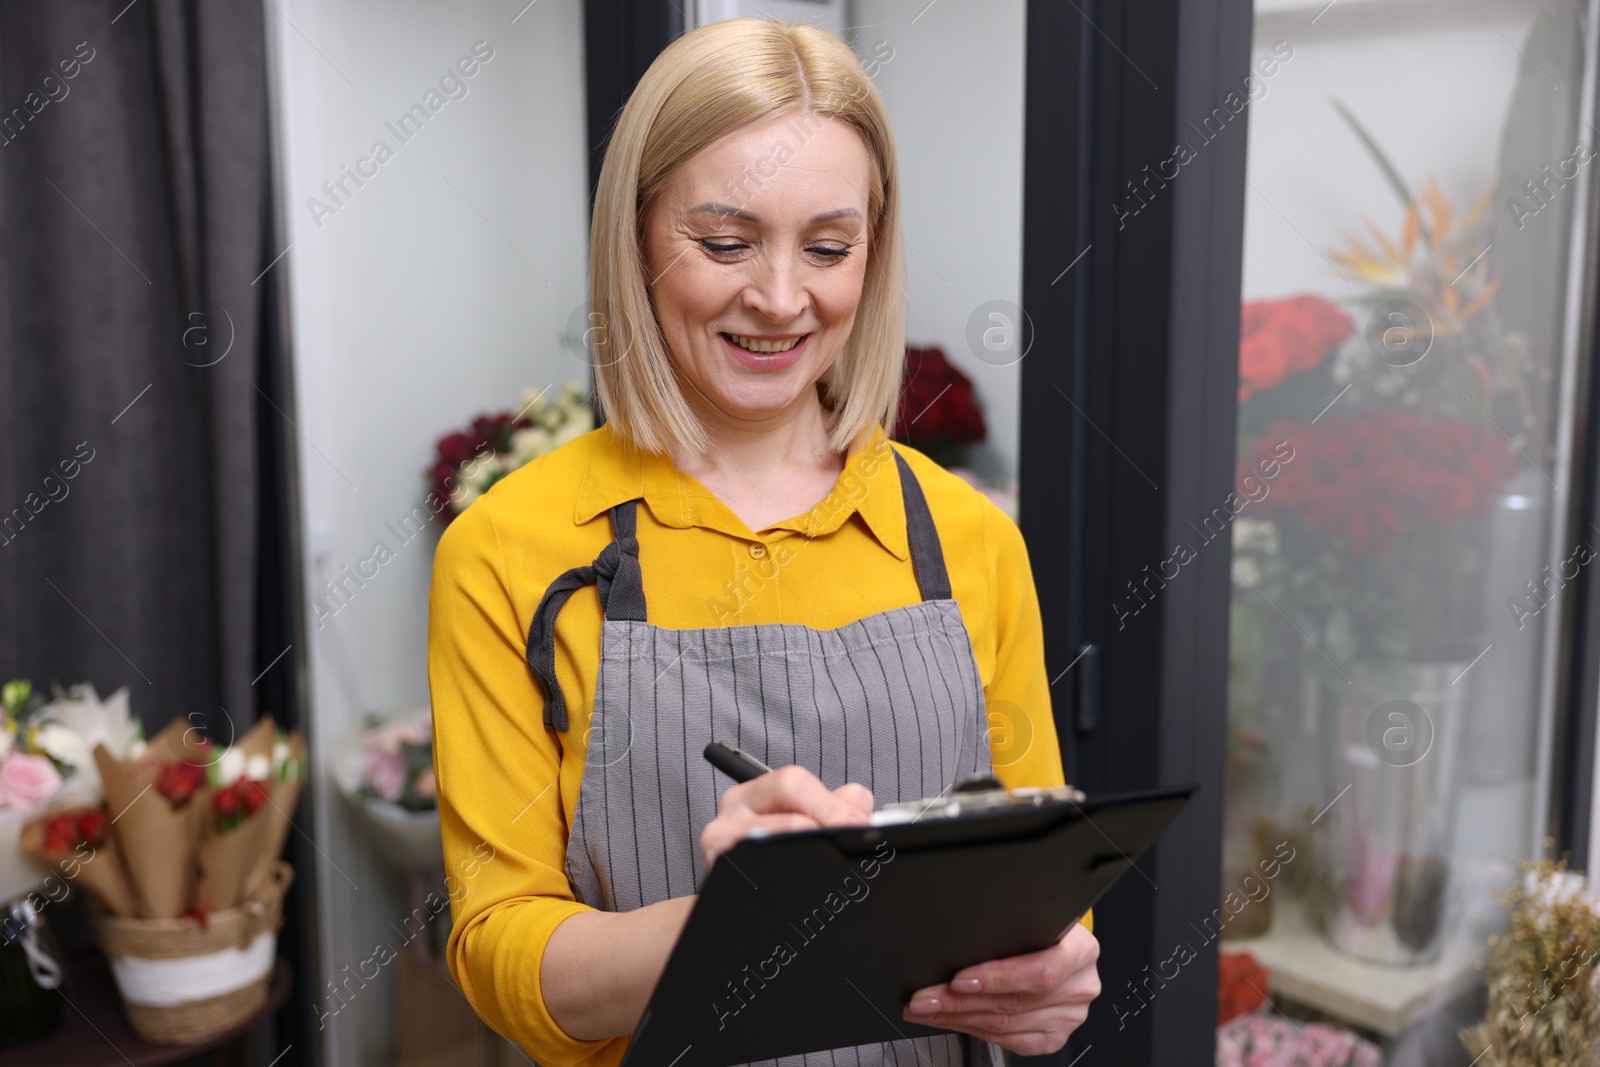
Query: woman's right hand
{"points": [[790, 798]]}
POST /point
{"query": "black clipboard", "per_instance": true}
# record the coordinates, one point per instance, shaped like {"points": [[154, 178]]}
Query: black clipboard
{"points": [[815, 940]]}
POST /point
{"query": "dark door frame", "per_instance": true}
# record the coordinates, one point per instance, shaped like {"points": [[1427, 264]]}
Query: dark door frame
{"points": [[1128, 412]]}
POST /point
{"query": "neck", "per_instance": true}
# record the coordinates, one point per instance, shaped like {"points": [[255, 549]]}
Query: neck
{"points": [[762, 452]]}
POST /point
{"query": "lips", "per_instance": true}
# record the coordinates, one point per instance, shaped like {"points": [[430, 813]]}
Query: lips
{"points": [[768, 361], [765, 346]]}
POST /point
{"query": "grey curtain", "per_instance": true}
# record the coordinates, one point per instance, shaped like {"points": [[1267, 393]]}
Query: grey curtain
{"points": [[133, 193]]}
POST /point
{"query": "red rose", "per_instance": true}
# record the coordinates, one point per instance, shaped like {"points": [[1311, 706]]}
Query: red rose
{"points": [[254, 796], [225, 803], [456, 448], [60, 833], [1446, 496], [178, 781], [1241, 985], [91, 827], [1278, 338], [1399, 477], [937, 401], [1374, 529]]}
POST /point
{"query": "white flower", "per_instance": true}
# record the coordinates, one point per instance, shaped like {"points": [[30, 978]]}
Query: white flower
{"points": [[62, 744], [137, 749], [1557, 887], [531, 400], [257, 767], [574, 428], [465, 494], [109, 722], [529, 443], [1255, 535], [230, 766], [1246, 572], [280, 754]]}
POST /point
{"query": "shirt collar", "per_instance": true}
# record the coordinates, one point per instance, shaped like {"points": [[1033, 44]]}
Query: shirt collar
{"points": [[868, 486]]}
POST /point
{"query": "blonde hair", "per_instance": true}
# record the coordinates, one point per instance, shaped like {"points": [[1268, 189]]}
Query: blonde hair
{"points": [[702, 86]]}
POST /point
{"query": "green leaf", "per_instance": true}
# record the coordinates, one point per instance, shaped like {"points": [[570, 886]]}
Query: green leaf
{"points": [[1390, 171]]}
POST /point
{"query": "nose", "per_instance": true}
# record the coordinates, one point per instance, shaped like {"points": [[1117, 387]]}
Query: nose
{"points": [[777, 290]]}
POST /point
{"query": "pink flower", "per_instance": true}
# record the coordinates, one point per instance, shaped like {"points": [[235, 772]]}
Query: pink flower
{"points": [[384, 773], [26, 781], [387, 739]]}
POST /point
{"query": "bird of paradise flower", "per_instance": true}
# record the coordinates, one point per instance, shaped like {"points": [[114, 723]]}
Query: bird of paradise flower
{"points": [[1440, 260]]}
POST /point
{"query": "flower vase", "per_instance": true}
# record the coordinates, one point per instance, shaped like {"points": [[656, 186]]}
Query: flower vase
{"points": [[30, 1007], [1520, 583], [1400, 725]]}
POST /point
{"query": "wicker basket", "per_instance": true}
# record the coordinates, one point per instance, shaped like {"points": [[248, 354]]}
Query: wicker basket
{"points": [[181, 983]]}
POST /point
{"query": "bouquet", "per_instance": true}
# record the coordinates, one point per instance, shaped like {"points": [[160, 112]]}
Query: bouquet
{"points": [[939, 413], [45, 745], [187, 828], [77, 844], [1364, 535], [385, 770], [467, 463], [397, 765], [1272, 1041], [45, 764], [253, 788]]}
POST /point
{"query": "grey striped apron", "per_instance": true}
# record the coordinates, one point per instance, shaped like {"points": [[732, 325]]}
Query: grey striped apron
{"points": [[892, 701]]}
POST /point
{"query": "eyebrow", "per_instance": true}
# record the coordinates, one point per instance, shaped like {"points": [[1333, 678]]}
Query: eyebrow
{"points": [[728, 210]]}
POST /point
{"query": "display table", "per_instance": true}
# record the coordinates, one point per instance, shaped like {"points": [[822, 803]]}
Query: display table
{"points": [[94, 1032]]}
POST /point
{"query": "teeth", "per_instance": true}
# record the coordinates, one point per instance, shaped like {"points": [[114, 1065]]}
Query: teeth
{"points": [[765, 347]]}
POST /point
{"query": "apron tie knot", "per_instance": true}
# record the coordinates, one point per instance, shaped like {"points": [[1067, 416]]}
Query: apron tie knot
{"points": [[619, 553], [616, 576]]}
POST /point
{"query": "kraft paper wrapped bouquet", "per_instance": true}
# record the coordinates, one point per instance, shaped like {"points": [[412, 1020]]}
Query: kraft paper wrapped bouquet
{"points": [[181, 865], [188, 827]]}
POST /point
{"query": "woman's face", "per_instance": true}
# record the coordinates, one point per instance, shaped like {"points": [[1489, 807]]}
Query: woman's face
{"points": [[756, 252]]}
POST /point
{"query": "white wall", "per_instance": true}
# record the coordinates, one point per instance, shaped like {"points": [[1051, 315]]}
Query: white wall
{"points": [[954, 89], [1442, 116], [411, 310]]}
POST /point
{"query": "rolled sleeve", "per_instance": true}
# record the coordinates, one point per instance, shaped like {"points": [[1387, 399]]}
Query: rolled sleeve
{"points": [[501, 820]]}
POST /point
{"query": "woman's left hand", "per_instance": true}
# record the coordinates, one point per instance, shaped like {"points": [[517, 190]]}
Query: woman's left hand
{"points": [[1028, 1004]]}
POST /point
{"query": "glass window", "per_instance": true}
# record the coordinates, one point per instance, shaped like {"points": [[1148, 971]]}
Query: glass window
{"points": [[1416, 178]]}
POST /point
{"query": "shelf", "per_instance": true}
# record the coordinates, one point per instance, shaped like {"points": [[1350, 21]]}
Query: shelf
{"points": [[1304, 967], [95, 1033]]}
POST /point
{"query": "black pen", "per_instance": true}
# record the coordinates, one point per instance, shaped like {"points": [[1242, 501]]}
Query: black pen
{"points": [[735, 763]]}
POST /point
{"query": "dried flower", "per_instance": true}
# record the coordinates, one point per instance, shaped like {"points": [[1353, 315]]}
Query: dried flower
{"points": [[1544, 987]]}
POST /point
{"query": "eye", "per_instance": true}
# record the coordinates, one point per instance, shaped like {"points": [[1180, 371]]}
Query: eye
{"points": [[828, 253]]}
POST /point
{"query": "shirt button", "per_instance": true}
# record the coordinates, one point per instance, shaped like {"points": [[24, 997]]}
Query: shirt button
{"points": [[758, 551]]}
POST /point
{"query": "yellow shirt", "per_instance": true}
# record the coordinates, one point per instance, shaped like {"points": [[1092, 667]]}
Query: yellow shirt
{"points": [[507, 787]]}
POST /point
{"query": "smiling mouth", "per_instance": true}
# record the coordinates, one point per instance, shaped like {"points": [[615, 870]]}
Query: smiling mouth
{"points": [[764, 347]]}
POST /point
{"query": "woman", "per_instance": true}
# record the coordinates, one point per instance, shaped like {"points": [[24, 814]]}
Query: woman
{"points": [[768, 570]]}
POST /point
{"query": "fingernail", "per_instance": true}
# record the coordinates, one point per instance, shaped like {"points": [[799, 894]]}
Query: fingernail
{"points": [[967, 985], [924, 1005]]}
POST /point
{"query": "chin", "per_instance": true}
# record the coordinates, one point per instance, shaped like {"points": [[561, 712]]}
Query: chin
{"points": [[759, 400]]}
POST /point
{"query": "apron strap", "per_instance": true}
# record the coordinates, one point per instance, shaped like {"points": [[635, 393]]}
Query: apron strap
{"points": [[616, 574], [620, 581], [927, 557]]}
